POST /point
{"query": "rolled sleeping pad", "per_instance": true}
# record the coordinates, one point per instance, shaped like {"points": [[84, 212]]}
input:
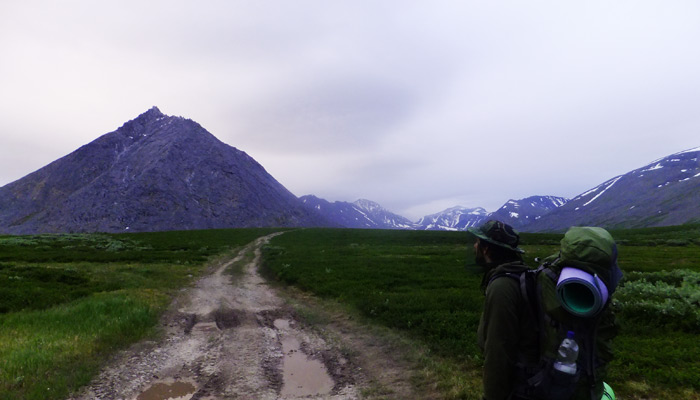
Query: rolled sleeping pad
{"points": [[581, 293], [608, 393]]}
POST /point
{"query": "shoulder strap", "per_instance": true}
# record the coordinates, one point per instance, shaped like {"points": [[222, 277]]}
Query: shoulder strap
{"points": [[511, 270], [530, 293], [527, 279]]}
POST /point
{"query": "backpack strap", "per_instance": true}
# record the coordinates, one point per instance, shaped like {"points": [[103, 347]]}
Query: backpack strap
{"points": [[548, 271], [527, 279], [532, 375], [528, 289], [592, 361]]}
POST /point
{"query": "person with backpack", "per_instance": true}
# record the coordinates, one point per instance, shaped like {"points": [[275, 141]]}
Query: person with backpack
{"points": [[546, 333], [505, 329]]}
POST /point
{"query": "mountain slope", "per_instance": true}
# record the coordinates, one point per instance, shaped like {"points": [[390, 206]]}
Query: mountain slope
{"points": [[362, 214], [519, 213], [664, 192], [156, 172], [453, 219]]}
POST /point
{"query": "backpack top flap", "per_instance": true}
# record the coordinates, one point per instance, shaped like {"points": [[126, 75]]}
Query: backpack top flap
{"points": [[593, 250]]}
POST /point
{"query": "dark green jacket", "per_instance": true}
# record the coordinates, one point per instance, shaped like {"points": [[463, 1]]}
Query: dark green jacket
{"points": [[506, 334]]}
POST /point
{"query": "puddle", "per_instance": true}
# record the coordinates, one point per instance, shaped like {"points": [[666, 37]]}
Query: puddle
{"points": [[205, 327], [226, 319], [301, 375], [281, 324], [168, 391]]}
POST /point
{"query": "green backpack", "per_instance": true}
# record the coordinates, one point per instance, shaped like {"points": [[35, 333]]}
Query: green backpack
{"points": [[577, 305]]}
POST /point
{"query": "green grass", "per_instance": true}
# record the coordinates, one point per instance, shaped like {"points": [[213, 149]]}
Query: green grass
{"points": [[423, 284], [414, 281], [45, 354], [178, 247], [67, 301]]}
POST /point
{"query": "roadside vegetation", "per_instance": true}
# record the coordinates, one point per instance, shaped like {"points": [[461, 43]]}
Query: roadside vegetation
{"points": [[426, 285], [68, 301]]}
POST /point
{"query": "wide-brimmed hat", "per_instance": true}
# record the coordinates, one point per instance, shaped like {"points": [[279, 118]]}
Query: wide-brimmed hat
{"points": [[498, 233]]}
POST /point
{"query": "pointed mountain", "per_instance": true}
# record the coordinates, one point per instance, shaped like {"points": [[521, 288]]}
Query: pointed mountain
{"points": [[155, 172], [662, 193], [519, 213], [454, 219], [362, 214]]}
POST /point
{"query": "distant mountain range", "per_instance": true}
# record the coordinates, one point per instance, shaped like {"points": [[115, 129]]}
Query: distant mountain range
{"points": [[662, 193], [453, 219], [360, 214], [367, 214], [160, 172], [521, 213]]}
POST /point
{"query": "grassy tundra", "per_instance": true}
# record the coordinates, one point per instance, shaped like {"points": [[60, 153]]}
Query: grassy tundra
{"points": [[426, 285], [67, 301]]}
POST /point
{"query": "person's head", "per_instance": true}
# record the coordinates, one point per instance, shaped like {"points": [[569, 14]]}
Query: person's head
{"points": [[496, 243]]}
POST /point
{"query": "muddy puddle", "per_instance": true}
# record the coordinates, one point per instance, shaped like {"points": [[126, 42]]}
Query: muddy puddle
{"points": [[173, 390], [205, 328], [302, 376], [227, 339]]}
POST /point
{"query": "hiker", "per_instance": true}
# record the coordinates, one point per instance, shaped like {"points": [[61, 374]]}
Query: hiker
{"points": [[505, 328], [529, 315]]}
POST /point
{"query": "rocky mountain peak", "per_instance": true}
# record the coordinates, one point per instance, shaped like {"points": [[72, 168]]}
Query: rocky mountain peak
{"points": [[453, 219], [368, 205], [155, 172], [363, 214], [142, 124], [521, 212], [152, 113]]}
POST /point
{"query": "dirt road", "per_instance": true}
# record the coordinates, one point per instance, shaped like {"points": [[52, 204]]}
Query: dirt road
{"points": [[241, 339]]}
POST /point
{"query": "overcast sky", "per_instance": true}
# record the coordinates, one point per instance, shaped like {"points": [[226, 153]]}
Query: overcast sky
{"points": [[417, 105]]}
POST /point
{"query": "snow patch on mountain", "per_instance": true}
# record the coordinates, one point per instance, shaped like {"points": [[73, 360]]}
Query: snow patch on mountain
{"points": [[519, 213], [693, 150], [453, 219], [655, 167], [612, 182], [362, 214], [661, 193], [652, 195]]}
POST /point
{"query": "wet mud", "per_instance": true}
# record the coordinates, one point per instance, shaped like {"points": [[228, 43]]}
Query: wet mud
{"points": [[175, 390], [301, 374], [227, 339]]}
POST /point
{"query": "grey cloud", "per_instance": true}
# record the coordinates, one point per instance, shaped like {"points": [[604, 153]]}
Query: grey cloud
{"points": [[402, 102], [334, 114]]}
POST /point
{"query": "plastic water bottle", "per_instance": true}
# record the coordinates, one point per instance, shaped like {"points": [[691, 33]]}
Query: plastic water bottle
{"points": [[567, 355]]}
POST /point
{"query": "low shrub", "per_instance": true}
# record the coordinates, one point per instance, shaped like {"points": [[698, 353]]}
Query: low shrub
{"points": [[667, 299]]}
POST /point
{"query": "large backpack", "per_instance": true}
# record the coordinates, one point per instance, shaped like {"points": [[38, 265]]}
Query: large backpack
{"points": [[588, 250]]}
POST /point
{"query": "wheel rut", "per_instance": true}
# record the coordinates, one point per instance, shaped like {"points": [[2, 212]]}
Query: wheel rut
{"points": [[239, 339]]}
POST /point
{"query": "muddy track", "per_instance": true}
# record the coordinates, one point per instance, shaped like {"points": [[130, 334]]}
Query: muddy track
{"points": [[242, 340]]}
